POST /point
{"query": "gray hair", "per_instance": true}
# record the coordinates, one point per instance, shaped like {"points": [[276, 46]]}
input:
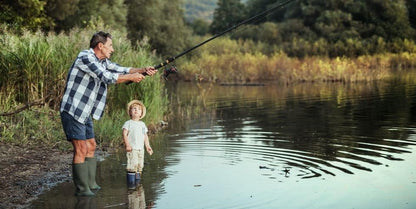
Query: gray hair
{"points": [[99, 37]]}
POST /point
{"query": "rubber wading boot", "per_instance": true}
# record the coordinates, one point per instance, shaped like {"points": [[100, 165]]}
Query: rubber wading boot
{"points": [[80, 175], [138, 174], [92, 171], [131, 180]]}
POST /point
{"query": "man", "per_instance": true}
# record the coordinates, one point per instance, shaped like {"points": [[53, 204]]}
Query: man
{"points": [[85, 98]]}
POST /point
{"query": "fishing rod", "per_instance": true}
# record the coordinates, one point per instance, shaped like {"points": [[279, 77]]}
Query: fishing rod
{"points": [[251, 19]]}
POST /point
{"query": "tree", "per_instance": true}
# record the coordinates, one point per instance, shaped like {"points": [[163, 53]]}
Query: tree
{"points": [[200, 27], [227, 14], [79, 13], [411, 11], [257, 6], [61, 9], [160, 21], [113, 13], [29, 14], [341, 20], [387, 19]]}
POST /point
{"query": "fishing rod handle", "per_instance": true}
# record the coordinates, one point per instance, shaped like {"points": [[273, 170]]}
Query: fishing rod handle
{"points": [[156, 67]]}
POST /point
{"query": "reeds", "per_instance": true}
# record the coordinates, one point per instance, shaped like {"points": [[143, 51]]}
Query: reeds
{"points": [[227, 60], [35, 66]]}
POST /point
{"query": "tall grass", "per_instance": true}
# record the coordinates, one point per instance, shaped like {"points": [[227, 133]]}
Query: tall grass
{"points": [[226, 60], [38, 127], [35, 66]]}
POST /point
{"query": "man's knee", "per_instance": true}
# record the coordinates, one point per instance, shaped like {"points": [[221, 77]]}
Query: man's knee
{"points": [[91, 145], [79, 146], [80, 150]]}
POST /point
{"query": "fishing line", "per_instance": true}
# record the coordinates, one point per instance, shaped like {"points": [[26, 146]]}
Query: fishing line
{"points": [[246, 21]]}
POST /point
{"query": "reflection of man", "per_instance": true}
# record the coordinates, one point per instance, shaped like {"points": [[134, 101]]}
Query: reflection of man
{"points": [[85, 98], [137, 199]]}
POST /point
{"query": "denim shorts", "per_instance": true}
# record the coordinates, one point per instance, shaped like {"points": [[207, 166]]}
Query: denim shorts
{"points": [[76, 130]]}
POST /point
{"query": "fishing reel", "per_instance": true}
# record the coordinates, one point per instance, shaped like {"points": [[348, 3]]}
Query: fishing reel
{"points": [[168, 70]]}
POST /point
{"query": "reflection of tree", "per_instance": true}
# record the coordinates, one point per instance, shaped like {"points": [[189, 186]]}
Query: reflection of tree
{"points": [[347, 122], [154, 173], [329, 123]]}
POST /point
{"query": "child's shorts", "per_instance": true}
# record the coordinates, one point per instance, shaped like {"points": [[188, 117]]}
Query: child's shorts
{"points": [[135, 161]]}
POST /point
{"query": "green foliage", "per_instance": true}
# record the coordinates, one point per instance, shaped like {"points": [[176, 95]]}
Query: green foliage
{"points": [[61, 9], [38, 127], [338, 24], [35, 66], [108, 129], [79, 13], [227, 60], [347, 27], [200, 27], [227, 14], [411, 11], [24, 14], [150, 91], [162, 22]]}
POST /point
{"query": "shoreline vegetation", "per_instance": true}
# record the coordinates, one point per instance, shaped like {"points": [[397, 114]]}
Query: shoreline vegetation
{"points": [[34, 68], [226, 60]]}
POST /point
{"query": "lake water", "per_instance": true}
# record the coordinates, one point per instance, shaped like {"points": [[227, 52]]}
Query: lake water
{"points": [[305, 145]]}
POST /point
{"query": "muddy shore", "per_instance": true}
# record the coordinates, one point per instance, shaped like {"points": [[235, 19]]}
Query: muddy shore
{"points": [[27, 172]]}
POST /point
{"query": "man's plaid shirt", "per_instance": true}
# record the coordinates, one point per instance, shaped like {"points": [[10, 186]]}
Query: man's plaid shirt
{"points": [[86, 86]]}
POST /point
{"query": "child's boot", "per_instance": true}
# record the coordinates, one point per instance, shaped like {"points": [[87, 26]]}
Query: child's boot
{"points": [[80, 176], [138, 177], [131, 180], [92, 171]]}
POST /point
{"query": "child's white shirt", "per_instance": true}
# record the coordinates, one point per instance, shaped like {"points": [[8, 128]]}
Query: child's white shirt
{"points": [[136, 133]]}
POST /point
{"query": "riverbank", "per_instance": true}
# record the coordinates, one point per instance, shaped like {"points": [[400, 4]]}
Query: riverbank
{"points": [[26, 172], [27, 169]]}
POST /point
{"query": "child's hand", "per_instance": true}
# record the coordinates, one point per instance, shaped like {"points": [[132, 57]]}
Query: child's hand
{"points": [[149, 150], [128, 148]]}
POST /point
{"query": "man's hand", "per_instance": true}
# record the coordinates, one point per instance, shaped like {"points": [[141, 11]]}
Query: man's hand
{"points": [[150, 70], [137, 77], [133, 77]]}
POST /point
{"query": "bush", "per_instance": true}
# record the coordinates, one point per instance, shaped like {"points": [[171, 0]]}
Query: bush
{"points": [[35, 65]]}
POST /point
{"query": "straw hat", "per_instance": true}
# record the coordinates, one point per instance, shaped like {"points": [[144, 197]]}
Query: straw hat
{"points": [[137, 102]]}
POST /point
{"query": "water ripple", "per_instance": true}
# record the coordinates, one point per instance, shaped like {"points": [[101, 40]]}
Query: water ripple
{"points": [[272, 150]]}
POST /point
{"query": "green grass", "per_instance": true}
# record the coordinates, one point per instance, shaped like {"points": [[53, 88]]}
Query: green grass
{"points": [[226, 60], [35, 66]]}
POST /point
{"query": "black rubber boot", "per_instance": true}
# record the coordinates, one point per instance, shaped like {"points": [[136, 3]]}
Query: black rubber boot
{"points": [[92, 171], [80, 176]]}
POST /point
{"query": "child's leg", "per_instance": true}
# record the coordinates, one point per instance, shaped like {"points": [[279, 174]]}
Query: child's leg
{"points": [[137, 165], [140, 161], [131, 162]]}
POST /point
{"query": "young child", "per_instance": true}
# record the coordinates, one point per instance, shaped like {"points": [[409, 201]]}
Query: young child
{"points": [[135, 138]]}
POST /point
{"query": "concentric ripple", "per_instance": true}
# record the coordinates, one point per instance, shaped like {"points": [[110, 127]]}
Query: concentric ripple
{"points": [[276, 152]]}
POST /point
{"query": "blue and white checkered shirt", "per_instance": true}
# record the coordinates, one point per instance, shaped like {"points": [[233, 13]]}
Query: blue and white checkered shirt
{"points": [[86, 86]]}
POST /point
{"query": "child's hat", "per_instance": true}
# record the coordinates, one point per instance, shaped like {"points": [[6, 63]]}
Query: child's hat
{"points": [[137, 102]]}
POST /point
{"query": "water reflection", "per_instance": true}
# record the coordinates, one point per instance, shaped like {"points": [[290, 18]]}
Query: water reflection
{"points": [[86, 203], [316, 129], [301, 146], [137, 199]]}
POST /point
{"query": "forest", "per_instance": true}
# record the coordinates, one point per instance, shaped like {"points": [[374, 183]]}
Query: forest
{"points": [[305, 41], [325, 28]]}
